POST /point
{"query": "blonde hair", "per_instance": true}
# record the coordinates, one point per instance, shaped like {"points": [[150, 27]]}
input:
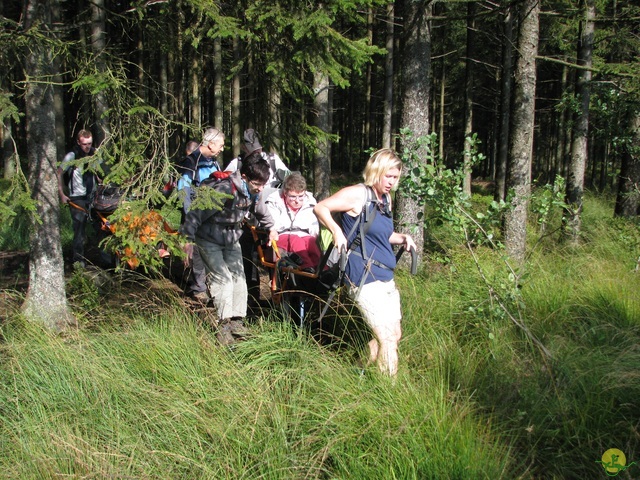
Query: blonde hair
{"points": [[380, 162], [83, 134]]}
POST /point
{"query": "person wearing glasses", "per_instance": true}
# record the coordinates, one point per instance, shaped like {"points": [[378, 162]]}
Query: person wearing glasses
{"points": [[371, 264], [196, 167], [292, 210], [80, 185], [277, 172], [215, 234]]}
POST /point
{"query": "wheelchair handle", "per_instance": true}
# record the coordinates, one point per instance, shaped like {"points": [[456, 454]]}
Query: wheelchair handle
{"points": [[343, 259], [414, 259]]}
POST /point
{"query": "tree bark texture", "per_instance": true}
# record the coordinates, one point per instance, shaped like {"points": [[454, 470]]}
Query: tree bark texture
{"points": [[628, 198], [579, 145], [522, 129], [46, 301], [236, 133], [416, 74], [388, 80], [218, 110], [194, 93], [322, 121], [9, 156], [98, 44], [506, 83], [561, 144], [468, 97]]}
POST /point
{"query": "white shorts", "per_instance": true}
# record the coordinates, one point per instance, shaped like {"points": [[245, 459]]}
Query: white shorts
{"points": [[379, 303]]}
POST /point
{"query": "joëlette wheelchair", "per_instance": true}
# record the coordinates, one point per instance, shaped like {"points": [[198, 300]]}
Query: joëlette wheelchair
{"points": [[299, 292]]}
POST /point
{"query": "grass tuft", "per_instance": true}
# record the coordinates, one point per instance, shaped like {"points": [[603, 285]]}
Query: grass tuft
{"points": [[143, 390]]}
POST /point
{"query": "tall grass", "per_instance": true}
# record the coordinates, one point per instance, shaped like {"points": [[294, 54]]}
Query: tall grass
{"points": [[560, 413], [160, 399], [142, 389]]}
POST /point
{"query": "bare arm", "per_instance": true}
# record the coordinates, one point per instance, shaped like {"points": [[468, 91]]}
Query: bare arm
{"points": [[350, 200], [402, 239]]}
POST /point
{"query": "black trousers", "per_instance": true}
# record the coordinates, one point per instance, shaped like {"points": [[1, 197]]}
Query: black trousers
{"points": [[79, 218], [250, 263]]}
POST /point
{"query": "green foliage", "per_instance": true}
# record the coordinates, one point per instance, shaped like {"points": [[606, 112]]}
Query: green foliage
{"points": [[207, 198], [146, 392], [628, 232], [82, 291], [8, 109], [564, 413], [15, 198], [134, 157], [547, 200], [430, 183]]}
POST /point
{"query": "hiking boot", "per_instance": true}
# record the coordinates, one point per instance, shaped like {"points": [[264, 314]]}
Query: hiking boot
{"points": [[238, 327], [199, 296], [224, 335]]}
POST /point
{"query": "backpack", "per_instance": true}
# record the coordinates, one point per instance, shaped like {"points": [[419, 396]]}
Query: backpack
{"points": [[107, 198], [214, 179], [88, 178], [332, 277], [203, 169]]}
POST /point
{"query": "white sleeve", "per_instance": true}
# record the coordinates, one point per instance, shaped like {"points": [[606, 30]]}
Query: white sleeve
{"points": [[233, 166], [279, 163], [67, 158]]}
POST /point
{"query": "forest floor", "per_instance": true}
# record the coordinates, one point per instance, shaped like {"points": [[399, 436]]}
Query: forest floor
{"points": [[14, 282]]}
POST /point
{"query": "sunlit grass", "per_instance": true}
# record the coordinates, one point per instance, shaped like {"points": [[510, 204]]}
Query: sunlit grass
{"points": [[142, 389], [160, 399]]}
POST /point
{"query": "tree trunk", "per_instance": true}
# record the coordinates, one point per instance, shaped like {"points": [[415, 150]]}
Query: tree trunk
{"points": [[98, 44], [416, 74], [579, 145], [368, 120], [505, 104], [236, 133], [194, 97], [388, 80], [58, 96], [46, 301], [9, 155], [521, 135], [441, 113], [468, 98], [602, 174], [628, 198], [322, 121], [558, 163], [218, 110], [274, 132]]}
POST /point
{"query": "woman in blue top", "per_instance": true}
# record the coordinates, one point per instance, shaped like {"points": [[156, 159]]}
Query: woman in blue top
{"points": [[370, 266]]}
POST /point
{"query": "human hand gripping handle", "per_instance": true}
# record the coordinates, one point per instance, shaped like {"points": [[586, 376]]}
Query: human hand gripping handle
{"points": [[187, 248], [409, 244], [406, 241], [339, 240]]}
